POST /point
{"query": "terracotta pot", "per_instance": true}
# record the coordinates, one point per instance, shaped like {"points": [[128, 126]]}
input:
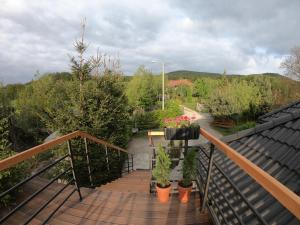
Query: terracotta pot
{"points": [[163, 193], [184, 193]]}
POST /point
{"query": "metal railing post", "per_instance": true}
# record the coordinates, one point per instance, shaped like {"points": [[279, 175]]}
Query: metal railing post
{"points": [[88, 161], [73, 169], [131, 161], [211, 158], [153, 158], [128, 163], [106, 153], [121, 166]]}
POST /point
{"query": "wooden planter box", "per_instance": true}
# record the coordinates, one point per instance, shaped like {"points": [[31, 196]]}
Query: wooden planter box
{"points": [[188, 133]]}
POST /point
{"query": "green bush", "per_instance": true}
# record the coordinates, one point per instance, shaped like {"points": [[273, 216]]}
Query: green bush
{"points": [[143, 89], [188, 168], [10, 177], [203, 88], [162, 170], [241, 99], [175, 151], [172, 109], [145, 121]]}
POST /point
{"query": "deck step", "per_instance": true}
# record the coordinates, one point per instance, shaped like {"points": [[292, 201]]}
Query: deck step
{"points": [[125, 201], [137, 182]]}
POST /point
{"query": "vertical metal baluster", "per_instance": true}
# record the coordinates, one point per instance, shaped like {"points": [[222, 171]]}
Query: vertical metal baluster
{"points": [[153, 157], [128, 162], [73, 169], [211, 158], [88, 162], [131, 161], [121, 166], [107, 163]]}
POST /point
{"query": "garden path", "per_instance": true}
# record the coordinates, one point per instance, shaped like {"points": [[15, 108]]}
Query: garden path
{"points": [[139, 145]]}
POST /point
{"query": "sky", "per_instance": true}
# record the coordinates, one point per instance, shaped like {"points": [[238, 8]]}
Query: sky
{"points": [[238, 36]]}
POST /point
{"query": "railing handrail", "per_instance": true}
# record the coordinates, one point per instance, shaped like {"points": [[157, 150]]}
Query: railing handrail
{"points": [[283, 194], [20, 157]]}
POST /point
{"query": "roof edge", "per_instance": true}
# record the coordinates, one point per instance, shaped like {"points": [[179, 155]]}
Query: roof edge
{"points": [[278, 110], [261, 127]]}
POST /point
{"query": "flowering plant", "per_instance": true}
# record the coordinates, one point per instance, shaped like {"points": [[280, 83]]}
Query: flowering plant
{"points": [[178, 122]]}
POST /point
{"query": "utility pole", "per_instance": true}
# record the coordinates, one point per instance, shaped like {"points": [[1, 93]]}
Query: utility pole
{"points": [[163, 86], [163, 83]]}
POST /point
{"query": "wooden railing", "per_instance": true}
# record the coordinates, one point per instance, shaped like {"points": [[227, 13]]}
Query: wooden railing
{"points": [[283, 194], [25, 155], [15, 159]]}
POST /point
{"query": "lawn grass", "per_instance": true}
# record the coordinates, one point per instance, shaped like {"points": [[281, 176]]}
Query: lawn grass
{"points": [[240, 126]]}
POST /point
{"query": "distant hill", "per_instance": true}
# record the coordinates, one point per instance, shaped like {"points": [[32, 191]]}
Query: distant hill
{"points": [[193, 75]]}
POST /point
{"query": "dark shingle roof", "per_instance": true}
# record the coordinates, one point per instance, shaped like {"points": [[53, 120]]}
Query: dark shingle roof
{"points": [[282, 111], [273, 146]]}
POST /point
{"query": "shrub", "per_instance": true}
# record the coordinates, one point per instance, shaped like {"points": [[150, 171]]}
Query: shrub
{"points": [[145, 120], [188, 169], [175, 151], [203, 87], [142, 90], [172, 109], [241, 99], [162, 169], [10, 177]]}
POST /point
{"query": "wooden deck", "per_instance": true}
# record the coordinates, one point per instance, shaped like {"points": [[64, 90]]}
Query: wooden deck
{"points": [[124, 201]]}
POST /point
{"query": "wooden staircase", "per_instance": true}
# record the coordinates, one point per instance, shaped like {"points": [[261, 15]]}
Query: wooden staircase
{"points": [[135, 182], [124, 201]]}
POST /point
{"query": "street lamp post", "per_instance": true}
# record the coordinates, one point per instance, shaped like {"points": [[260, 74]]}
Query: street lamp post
{"points": [[163, 83]]}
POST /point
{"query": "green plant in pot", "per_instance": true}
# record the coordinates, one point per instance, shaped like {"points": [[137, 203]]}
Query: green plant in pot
{"points": [[161, 173], [188, 171]]}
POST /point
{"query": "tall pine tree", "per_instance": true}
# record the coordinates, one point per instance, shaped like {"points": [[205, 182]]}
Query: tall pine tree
{"points": [[97, 104]]}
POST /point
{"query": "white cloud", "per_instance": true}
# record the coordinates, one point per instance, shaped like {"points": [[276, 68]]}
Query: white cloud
{"points": [[244, 37]]}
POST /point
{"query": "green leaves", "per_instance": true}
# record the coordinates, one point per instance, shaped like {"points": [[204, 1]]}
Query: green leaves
{"points": [[4, 127], [189, 167], [142, 90], [172, 109], [240, 99], [162, 169], [10, 177]]}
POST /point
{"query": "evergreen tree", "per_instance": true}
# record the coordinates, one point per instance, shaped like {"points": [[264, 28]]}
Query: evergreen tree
{"points": [[4, 128], [141, 90], [99, 106]]}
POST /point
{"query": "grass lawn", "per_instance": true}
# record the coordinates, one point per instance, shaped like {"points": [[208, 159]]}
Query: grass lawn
{"points": [[240, 126]]}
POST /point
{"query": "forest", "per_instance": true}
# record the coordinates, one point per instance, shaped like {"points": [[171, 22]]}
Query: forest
{"points": [[51, 102]]}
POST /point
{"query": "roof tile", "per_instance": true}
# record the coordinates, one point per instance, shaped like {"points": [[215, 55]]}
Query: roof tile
{"points": [[274, 146]]}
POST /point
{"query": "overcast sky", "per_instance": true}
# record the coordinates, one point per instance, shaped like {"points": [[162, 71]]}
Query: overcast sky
{"points": [[240, 36]]}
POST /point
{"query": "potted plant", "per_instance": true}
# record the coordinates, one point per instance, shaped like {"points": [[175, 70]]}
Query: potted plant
{"points": [[181, 128], [162, 174], [188, 171]]}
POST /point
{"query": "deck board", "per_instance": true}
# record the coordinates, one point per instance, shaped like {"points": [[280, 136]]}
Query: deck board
{"points": [[124, 201]]}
